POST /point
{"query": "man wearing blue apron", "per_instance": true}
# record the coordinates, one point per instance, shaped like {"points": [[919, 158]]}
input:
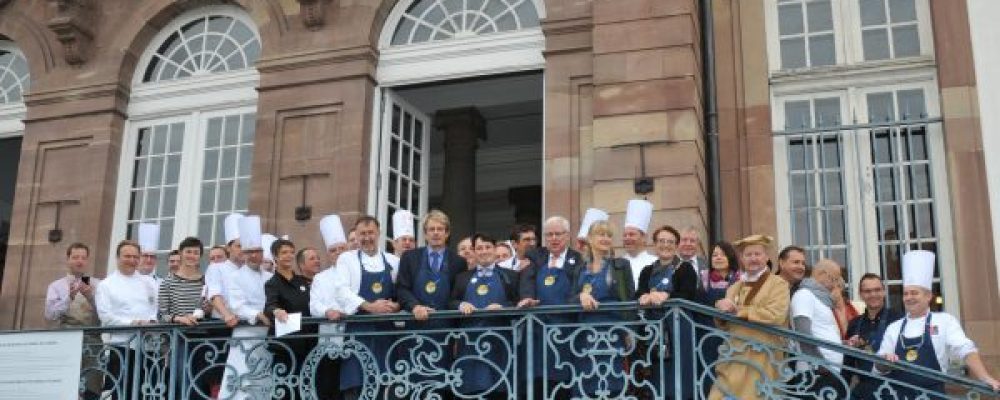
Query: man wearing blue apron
{"points": [[548, 281], [485, 374], [426, 276], [928, 339]]}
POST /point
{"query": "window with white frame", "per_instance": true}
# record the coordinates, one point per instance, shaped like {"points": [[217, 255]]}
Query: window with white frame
{"points": [[806, 33], [187, 156], [863, 194], [15, 78], [816, 33], [433, 20]]}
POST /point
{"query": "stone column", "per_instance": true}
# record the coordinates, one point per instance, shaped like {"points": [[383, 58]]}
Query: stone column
{"points": [[462, 129]]}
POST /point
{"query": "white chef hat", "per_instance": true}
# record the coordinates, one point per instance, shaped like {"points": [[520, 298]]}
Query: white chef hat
{"points": [[589, 218], [402, 224], [149, 237], [232, 227], [332, 230], [638, 215], [250, 238], [918, 269], [266, 240]]}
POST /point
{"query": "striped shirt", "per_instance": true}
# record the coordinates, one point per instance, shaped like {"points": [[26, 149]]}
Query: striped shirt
{"points": [[179, 296]]}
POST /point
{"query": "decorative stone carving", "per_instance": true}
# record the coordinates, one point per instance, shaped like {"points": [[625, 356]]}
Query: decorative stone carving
{"points": [[313, 13], [72, 25]]}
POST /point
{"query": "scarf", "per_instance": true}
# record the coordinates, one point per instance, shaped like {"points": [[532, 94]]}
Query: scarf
{"points": [[821, 293]]}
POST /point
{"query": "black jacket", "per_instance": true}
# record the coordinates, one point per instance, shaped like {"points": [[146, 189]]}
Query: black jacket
{"points": [[411, 262], [539, 258], [508, 278], [686, 281]]}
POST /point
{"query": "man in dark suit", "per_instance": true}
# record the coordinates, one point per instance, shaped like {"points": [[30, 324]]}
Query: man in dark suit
{"points": [[485, 287], [424, 284], [549, 281]]}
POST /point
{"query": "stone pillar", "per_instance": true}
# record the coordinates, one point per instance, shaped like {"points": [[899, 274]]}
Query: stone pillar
{"points": [[462, 129]]}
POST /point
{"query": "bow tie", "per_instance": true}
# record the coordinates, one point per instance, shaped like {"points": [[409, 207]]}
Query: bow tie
{"points": [[484, 271]]}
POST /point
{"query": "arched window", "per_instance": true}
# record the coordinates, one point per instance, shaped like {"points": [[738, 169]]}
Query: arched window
{"points": [[192, 116], [431, 20], [13, 73]]}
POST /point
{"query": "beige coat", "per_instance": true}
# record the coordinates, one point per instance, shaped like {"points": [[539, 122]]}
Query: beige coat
{"points": [[737, 375]]}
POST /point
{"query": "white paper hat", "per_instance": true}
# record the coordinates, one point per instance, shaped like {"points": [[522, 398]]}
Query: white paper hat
{"points": [[592, 215], [918, 269], [266, 240], [232, 227], [402, 224], [149, 237], [332, 230], [250, 238], [638, 215]]}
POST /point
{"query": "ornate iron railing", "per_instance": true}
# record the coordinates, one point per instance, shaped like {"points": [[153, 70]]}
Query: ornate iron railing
{"points": [[674, 351]]}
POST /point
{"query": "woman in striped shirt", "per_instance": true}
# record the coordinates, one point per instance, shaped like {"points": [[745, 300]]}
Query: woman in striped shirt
{"points": [[181, 296]]}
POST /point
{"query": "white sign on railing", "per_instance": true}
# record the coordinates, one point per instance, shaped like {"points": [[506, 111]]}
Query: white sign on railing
{"points": [[40, 365]]}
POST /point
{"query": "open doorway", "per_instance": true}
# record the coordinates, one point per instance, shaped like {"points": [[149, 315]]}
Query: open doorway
{"points": [[484, 142]]}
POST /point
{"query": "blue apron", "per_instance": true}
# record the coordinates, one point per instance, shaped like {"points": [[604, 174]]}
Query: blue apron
{"points": [[553, 287], [374, 286], [925, 358], [477, 377], [663, 281], [432, 289], [603, 354]]}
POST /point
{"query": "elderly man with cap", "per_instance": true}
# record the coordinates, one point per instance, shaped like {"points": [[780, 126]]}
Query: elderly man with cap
{"points": [[928, 339], [218, 276], [403, 238], [637, 218], [365, 284], [246, 299], [149, 242]]}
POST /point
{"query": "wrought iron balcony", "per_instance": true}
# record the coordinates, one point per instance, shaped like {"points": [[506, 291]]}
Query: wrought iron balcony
{"points": [[667, 352]]}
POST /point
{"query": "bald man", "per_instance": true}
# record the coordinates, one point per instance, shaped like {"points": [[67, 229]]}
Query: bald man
{"points": [[812, 314]]}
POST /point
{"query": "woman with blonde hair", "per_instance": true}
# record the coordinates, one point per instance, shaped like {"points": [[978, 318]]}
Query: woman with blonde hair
{"points": [[759, 298]]}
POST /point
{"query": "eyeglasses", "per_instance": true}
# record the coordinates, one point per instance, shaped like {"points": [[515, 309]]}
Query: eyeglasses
{"points": [[666, 241], [555, 234]]}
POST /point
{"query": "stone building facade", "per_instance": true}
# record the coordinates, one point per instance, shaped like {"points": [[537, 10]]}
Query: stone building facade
{"points": [[179, 112]]}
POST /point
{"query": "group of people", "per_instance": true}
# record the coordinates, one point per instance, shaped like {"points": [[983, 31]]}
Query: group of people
{"points": [[257, 279]]}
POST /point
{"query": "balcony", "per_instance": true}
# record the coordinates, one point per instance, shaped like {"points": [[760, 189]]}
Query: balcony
{"points": [[668, 352]]}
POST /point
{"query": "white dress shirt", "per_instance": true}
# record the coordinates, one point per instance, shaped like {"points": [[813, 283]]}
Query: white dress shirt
{"points": [[122, 299], [639, 262], [947, 337], [217, 277], [558, 261], [58, 300], [349, 276], [245, 292]]}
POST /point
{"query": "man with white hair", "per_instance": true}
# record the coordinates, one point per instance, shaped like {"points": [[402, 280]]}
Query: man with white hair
{"points": [[637, 217], [549, 281], [928, 339], [812, 315]]}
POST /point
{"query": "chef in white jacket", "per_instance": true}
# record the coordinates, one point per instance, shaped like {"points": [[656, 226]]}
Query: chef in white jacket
{"points": [[637, 217], [245, 293], [219, 276]]}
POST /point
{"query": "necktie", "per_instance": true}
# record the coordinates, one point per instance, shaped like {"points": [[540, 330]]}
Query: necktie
{"points": [[435, 262]]}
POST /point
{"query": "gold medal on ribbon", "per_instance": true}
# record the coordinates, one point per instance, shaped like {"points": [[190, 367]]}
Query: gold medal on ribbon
{"points": [[911, 355], [430, 287], [377, 287], [482, 290], [550, 280], [587, 288]]}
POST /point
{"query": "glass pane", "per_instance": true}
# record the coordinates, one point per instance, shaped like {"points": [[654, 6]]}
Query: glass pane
{"points": [[166, 234], [176, 138], [407, 126], [415, 199], [205, 228], [228, 167], [793, 53], [246, 156], [882, 151], [924, 220], [827, 112], [173, 169], [417, 167], [916, 143], [169, 201], [885, 184], [820, 16], [796, 155], [231, 130], [831, 152], [220, 230], [880, 107], [404, 194], [213, 132], [835, 228], [207, 197], [832, 189], [152, 209], [911, 104], [139, 176], [822, 51], [801, 226], [406, 161], [800, 191], [902, 10], [418, 134], [905, 41], [159, 139], [797, 115], [242, 194], [790, 19], [394, 153], [396, 112], [872, 12], [919, 181], [142, 145], [249, 128], [135, 205], [225, 195], [888, 224], [211, 169], [876, 44], [155, 171], [393, 182]]}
